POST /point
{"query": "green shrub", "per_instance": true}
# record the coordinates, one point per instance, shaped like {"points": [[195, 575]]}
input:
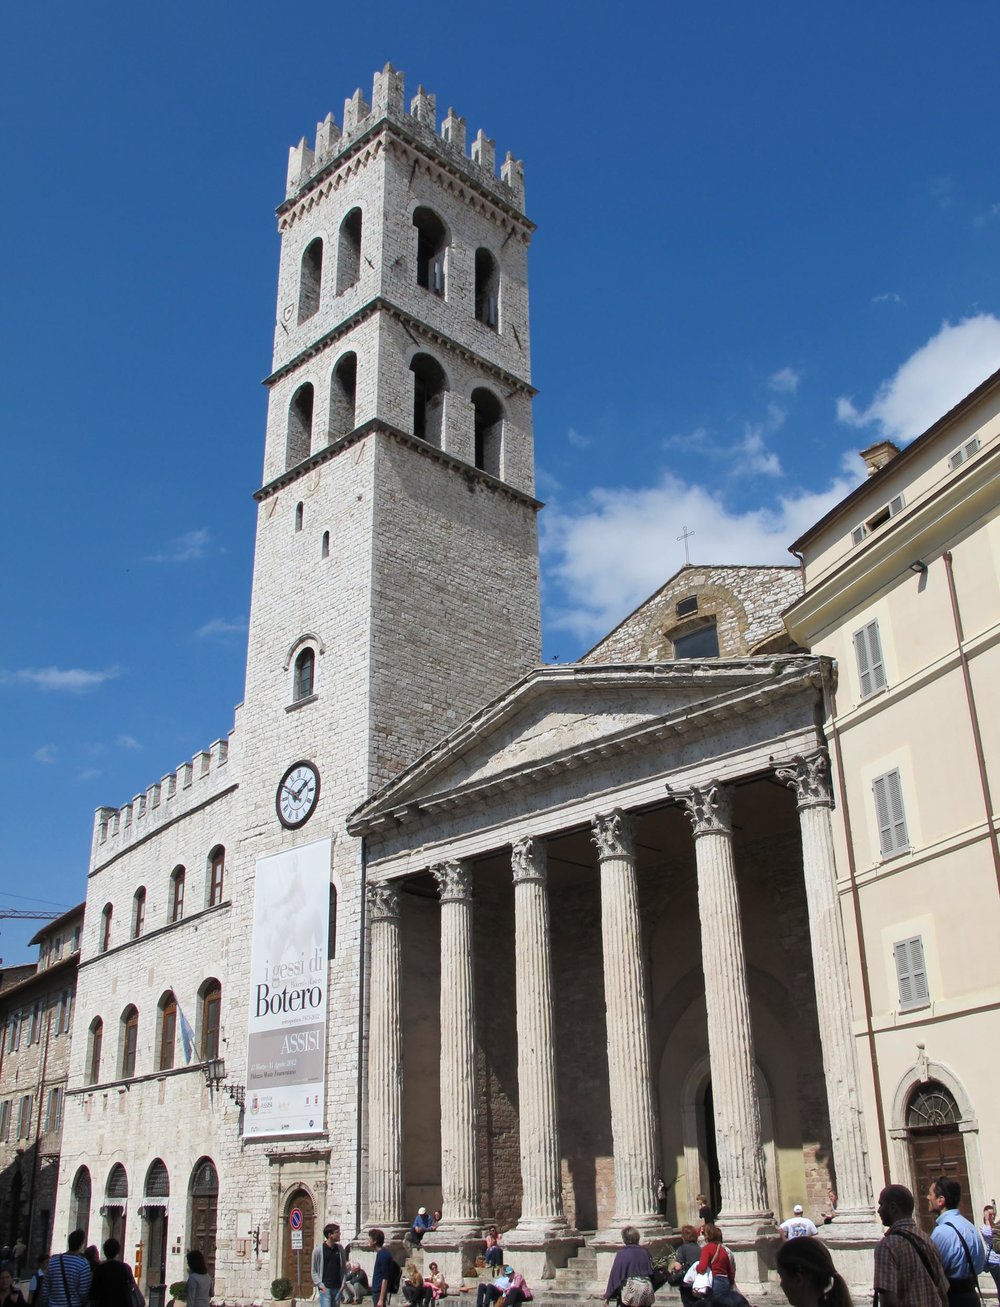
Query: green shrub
{"points": [[281, 1288], [179, 1291]]}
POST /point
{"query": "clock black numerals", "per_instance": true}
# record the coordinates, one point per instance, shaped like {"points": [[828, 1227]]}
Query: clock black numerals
{"points": [[298, 794]]}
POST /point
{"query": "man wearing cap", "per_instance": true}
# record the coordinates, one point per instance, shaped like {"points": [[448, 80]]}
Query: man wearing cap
{"points": [[797, 1226], [422, 1222]]}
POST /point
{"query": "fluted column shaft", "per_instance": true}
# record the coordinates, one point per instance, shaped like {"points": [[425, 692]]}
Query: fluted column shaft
{"points": [[809, 777], [730, 1034], [541, 1201], [459, 1159], [627, 1021], [385, 1061]]}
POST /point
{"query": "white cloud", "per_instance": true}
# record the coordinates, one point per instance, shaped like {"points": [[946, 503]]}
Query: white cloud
{"points": [[931, 381], [887, 297], [128, 742], [785, 381], [184, 548], [219, 627], [74, 679], [46, 754], [577, 440], [622, 544]]}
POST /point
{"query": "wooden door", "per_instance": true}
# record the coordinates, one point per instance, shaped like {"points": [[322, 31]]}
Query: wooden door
{"points": [[936, 1151], [204, 1212], [295, 1264]]}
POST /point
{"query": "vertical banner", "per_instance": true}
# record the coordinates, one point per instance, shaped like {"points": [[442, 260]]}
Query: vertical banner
{"points": [[286, 1038]]}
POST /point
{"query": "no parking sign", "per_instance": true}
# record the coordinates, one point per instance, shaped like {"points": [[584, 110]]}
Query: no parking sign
{"points": [[295, 1224]]}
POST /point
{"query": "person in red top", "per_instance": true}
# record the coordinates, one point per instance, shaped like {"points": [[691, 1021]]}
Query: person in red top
{"points": [[715, 1258]]}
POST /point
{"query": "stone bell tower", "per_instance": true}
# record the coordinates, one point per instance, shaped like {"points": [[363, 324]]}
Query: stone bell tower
{"points": [[395, 585]]}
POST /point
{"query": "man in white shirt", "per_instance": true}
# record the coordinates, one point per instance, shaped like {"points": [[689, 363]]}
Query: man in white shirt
{"points": [[797, 1226]]}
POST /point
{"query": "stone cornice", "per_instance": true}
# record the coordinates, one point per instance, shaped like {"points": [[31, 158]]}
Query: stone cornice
{"points": [[410, 797], [404, 437], [409, 322], [408, 135], [960, 500]]}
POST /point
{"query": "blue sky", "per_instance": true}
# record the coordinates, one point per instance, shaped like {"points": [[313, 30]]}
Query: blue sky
{"points": [[768, 235]]}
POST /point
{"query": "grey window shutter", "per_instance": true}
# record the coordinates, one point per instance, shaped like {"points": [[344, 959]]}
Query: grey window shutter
{"points": [[868, 651], [892, 832], [911, 973]]}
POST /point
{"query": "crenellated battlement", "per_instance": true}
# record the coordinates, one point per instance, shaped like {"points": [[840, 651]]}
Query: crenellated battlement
{"points": [[306, 162], [208, 772]]}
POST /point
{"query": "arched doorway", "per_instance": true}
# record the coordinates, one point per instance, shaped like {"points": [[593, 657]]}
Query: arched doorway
{"points": [[79, 1208], [936, 1144], [295, 1261], [115, 1196], [204, 1210], [154, 1224]]}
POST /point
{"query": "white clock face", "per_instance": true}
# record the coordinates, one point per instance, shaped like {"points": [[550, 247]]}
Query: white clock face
{"points": [[297, 795]]}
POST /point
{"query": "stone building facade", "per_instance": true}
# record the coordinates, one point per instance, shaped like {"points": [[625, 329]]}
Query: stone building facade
{"points": [[36, 1010], [579, 936]]}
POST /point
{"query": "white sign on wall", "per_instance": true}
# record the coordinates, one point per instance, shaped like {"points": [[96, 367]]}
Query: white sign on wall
{"points": [[286, 1037]]}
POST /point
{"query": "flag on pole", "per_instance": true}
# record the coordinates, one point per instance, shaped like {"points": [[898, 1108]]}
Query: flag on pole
{"points": [[187, 1035]]}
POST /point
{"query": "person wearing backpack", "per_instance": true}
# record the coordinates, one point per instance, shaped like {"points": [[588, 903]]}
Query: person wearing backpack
{"points": [[386, 1273]]}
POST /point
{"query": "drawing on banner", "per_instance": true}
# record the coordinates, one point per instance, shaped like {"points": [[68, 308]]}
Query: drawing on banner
{"points": [[286, 1037]]}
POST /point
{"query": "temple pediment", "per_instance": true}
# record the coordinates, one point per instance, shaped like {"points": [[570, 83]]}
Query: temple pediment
{"points": [[559, 718]]}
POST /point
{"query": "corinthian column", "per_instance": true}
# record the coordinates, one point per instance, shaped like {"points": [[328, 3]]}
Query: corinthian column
{"points": [[809, 778], [627, 1027], [744, 1214], [385, 1062], [541, 1201], [459, 1160]]}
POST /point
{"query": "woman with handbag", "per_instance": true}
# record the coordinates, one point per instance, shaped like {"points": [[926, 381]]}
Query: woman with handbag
{"points": [[715, 1271], [630, 1282], [686, 1255]]}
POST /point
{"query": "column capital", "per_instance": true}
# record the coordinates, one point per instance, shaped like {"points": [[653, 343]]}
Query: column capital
{"points": [[454, 881], [383, 901], [709, 808], [613, 833], [809, 777], [528, 860]]}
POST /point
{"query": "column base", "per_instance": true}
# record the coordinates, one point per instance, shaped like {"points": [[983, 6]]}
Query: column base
{"points": [[454, 1245], [853, 1248], [851, 1225], [747, 1228], [539, 1249]]}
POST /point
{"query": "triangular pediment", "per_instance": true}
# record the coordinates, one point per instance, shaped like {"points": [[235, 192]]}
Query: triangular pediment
{"points": [[563, 716]]}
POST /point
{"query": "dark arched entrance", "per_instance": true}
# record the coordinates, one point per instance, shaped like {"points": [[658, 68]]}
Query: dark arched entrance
{"points": [[295, 1261], [936, 1144], [204, 1211], [714, 1194], [79, 1208]]}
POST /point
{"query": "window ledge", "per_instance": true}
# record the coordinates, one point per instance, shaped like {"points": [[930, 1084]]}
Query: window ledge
{"points": [[301, 703], [874, 694], [896, 853]]}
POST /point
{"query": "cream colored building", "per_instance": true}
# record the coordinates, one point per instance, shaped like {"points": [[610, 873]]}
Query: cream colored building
{"points": [[902, 591]]}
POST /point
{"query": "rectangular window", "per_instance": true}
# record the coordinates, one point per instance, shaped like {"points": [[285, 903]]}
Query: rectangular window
{"points": [[5, 1120], [962, 453], [892, 835], [14, 1033], [62, 1018], [871, 666], [911, 974], [24, 1117], [36, 1024], [53, 1110], [217, 876]]}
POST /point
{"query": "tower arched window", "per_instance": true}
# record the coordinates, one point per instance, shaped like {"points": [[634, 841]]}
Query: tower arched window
{"points": [[310, 279], [429, 385], [343, 396], [432, 242], [106, 914], [139, 912], [324, 551], [209, 1019], [94, 1046], [488, 430], [349, 251], [487, 288], [167, 1034], [304, 674], [216, 875], [299, 515], [177, 878], [300, 423], [129, 1042]]}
